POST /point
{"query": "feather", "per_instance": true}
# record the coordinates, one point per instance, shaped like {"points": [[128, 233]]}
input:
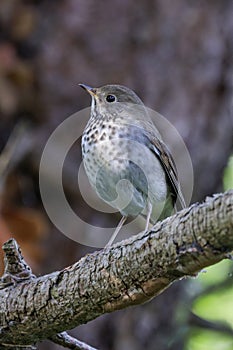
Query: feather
{"points": [[168, 164]]}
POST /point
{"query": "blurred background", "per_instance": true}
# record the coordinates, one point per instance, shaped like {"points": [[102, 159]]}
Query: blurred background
{"points": [[178, 57]]}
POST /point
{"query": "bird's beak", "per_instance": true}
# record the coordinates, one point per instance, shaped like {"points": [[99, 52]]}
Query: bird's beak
{"points": [[89, 89]]}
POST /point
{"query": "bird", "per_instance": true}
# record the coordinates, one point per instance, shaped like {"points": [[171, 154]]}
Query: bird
{"points": [[125, 158]]}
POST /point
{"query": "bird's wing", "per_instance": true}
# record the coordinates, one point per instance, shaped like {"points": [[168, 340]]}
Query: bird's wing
{"points": [[168, 164]]}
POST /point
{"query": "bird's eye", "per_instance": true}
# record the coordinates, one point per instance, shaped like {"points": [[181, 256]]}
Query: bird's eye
{"points": [[110, 98]]}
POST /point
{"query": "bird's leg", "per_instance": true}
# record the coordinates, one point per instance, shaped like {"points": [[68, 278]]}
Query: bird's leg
{"points": [[149, 206], [115, 233]]}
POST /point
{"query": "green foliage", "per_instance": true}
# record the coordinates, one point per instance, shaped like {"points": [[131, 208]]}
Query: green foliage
{"points": [[216, 274], [209, 340], [214, 297], [215, 303], [218, 305]]}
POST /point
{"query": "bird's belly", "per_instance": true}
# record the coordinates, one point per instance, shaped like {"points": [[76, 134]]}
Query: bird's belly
{"points": [[125, 177], [109, 174]]}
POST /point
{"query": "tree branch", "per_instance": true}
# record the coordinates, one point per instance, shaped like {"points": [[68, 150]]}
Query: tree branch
{"points": [[67, 341], [128, 273]]}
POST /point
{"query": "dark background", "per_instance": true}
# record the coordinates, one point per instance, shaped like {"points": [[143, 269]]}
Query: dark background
{"points": [[177, 55]]}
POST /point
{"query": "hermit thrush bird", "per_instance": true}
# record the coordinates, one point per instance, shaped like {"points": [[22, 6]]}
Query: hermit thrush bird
{"points": [[125, 159]]}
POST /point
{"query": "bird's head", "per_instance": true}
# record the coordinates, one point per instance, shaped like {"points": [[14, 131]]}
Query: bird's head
{"points": [[109, 98]]}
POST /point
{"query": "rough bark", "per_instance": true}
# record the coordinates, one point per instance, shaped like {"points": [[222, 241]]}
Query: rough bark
{"points": [[128, 273]]}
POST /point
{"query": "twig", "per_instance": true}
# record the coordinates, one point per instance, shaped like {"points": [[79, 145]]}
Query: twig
{"points": [[69, 342], [196, 321]]}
